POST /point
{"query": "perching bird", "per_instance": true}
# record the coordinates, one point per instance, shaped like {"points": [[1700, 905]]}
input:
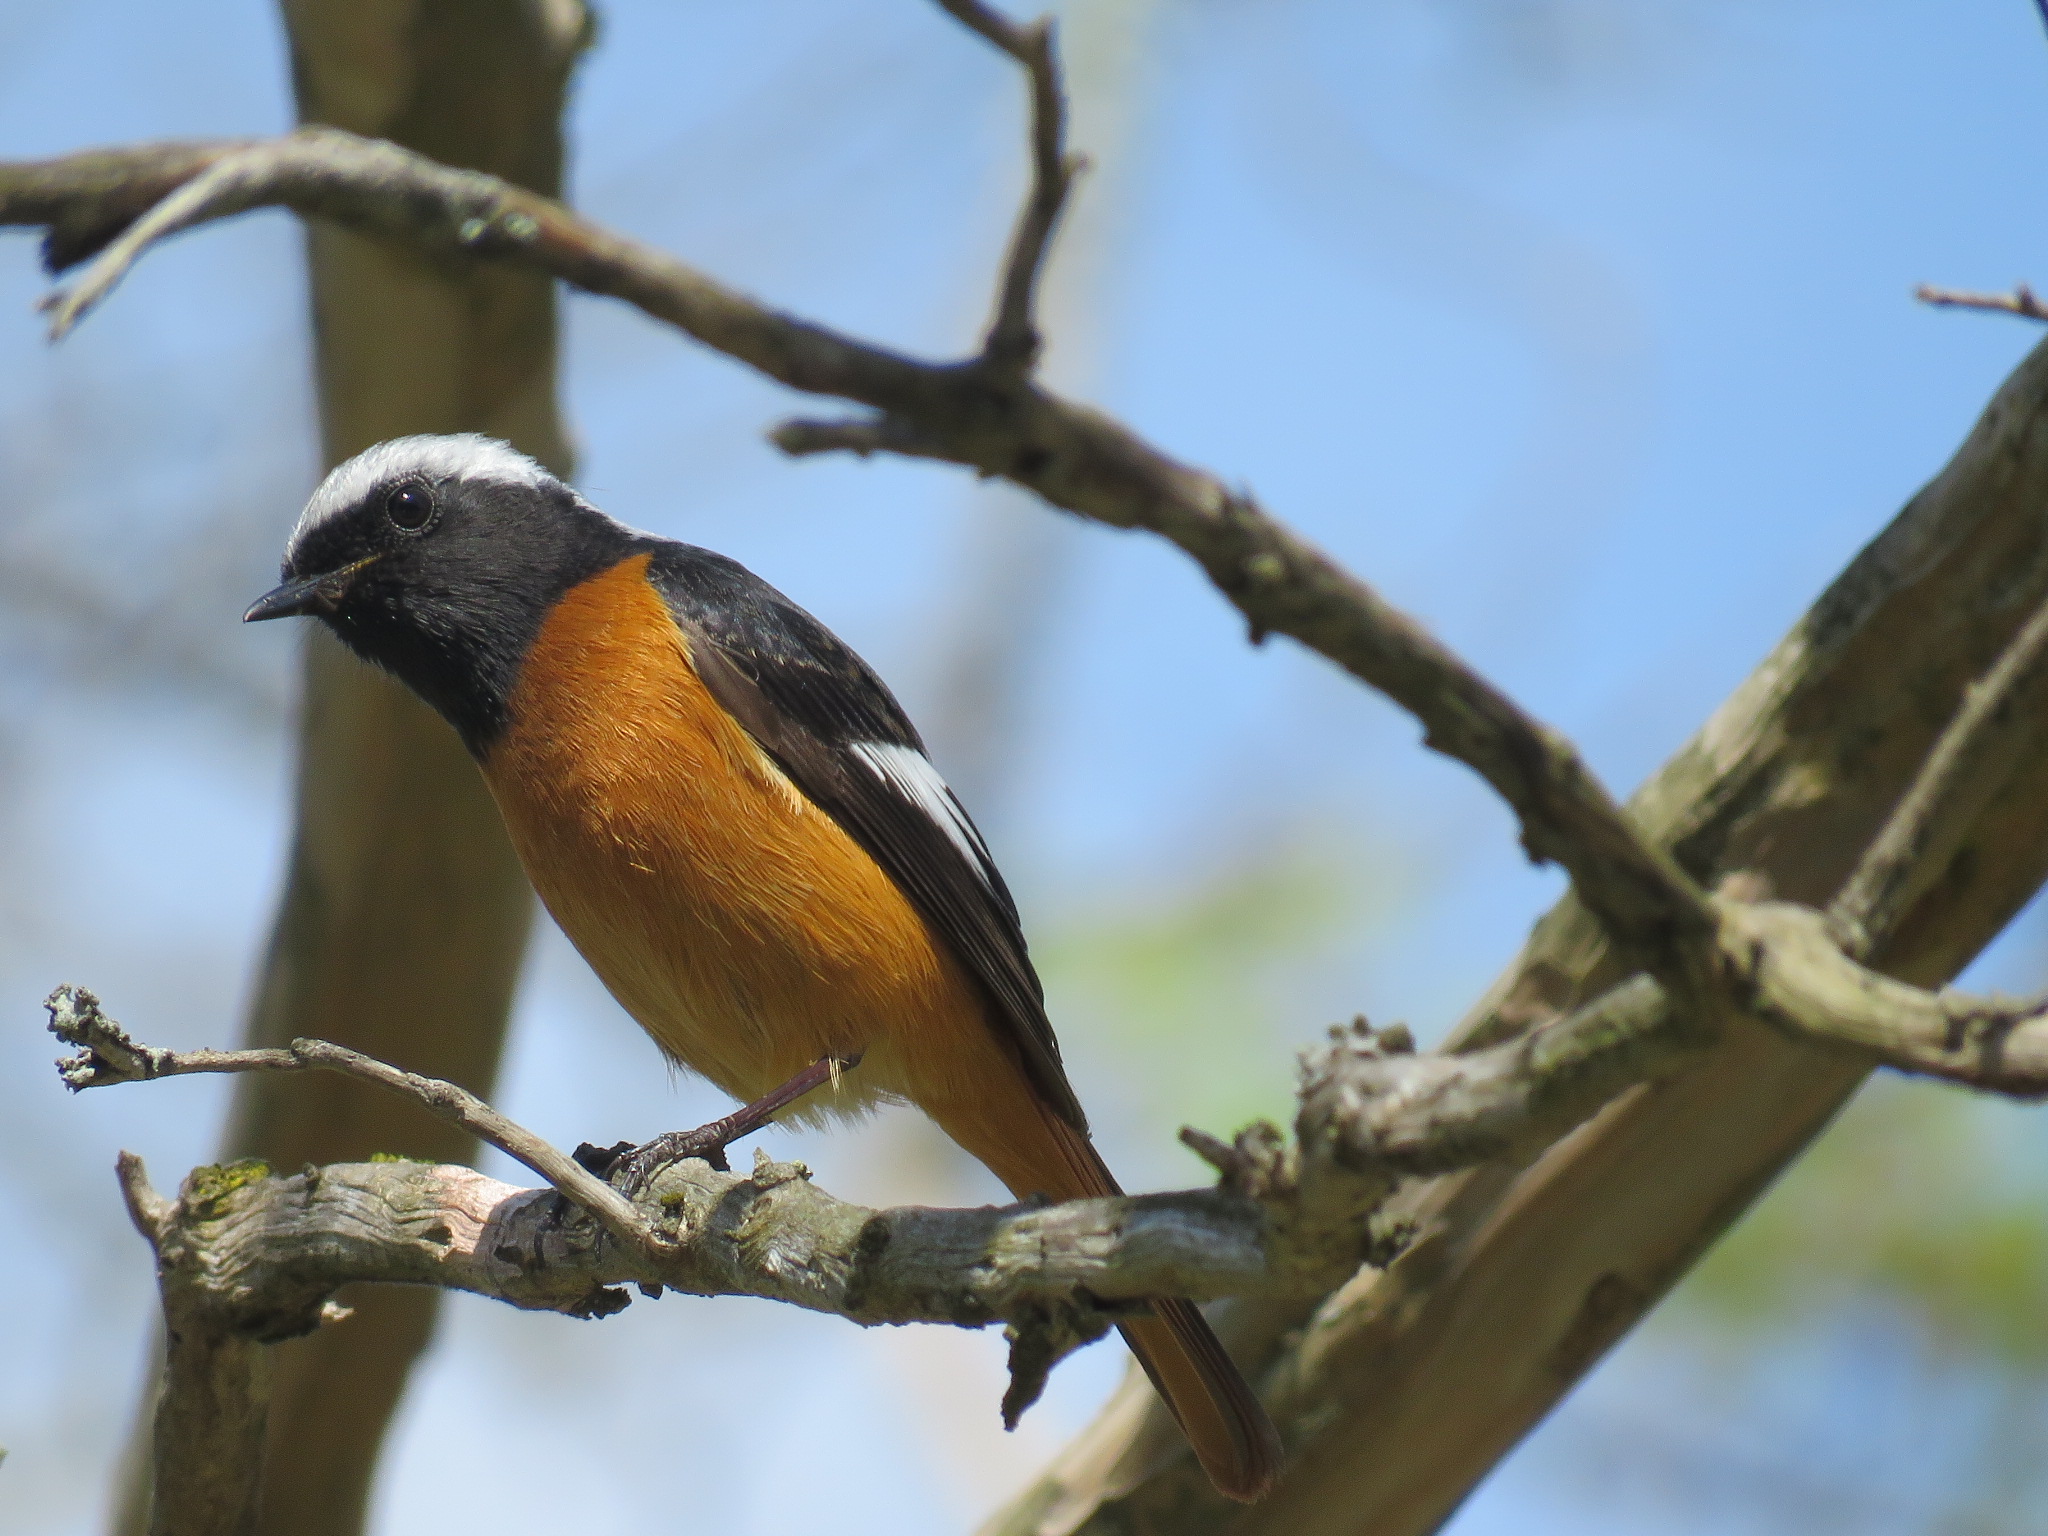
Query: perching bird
{"points": [[730, 817]]}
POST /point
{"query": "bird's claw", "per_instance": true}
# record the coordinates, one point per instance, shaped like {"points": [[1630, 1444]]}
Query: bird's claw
{"points": [[632, 1169]]}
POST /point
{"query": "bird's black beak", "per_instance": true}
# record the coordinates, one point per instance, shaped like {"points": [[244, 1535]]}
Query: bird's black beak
{"points": [[307, 595]]}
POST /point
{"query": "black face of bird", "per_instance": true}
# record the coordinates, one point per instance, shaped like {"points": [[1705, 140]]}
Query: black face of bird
{"points": [[436, 558]]}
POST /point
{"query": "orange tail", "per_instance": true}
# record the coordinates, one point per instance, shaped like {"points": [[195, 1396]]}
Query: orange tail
{"points": [[1232, 1437], [1235, 1442]]}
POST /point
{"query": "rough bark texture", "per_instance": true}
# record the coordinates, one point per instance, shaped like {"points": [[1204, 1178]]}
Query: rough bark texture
{"points": [[1403, 1389], [405, 913]]}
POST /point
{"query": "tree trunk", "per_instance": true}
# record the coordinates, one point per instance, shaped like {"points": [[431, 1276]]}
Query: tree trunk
{"points": [[405, 913]]}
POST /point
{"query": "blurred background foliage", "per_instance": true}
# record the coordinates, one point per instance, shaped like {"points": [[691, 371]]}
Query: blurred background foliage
{"points": [[1579, 325]]}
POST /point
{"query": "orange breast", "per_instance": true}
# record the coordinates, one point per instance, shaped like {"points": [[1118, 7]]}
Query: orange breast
{"points": [[733, 919]]}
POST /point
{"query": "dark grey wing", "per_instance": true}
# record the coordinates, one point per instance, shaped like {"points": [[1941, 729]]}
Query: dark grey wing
{"points": [[821, 713]]}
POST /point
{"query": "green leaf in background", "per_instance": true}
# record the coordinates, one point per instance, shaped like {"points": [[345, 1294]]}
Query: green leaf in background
{"points": [[1197, 991]]}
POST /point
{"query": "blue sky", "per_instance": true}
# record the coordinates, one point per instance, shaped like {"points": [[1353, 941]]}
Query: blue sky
{"points": [[1581, 327]]}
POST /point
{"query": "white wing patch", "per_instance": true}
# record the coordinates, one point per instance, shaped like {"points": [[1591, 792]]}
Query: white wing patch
{"points": [[910, 773], [462, 456]]}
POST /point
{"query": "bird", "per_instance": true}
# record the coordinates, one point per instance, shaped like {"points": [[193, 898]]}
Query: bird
{"points": [[734, 822]]}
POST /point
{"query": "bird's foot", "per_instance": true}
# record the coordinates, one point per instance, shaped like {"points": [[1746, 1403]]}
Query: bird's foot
{"points": [[630, 1169]]}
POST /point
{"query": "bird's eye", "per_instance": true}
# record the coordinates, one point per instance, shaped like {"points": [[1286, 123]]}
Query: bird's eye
{"points": [[410, 508]]}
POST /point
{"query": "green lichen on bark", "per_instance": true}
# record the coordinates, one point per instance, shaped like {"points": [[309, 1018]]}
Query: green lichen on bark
{"points": [[207, 1188]]}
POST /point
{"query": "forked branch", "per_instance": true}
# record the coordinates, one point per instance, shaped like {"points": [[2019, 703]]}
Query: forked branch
{"points": [[1012, 345]]}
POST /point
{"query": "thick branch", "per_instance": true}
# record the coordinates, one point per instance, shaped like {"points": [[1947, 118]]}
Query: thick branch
{"points": [[1289, 1219], [1799, 980], [1286, 1220], [275, 1246], [209, 1420], [1401, 1391]]}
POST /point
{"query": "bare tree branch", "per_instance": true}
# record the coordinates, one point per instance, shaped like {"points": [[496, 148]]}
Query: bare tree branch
{"points": [[1400, 1391], [246, 1258], [2021, 301], [89, 198], [1288, 1219], [1797, 978], [1013, 341], [1071, 455], [110, 1056]]}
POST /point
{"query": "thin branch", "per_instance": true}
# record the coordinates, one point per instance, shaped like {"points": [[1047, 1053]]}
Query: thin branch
{"points": [[1947, 795], [86, 199], [108, 1055], [1013, 341], [993, 25], [1072, 456], [231, 184], [2021, 301]]}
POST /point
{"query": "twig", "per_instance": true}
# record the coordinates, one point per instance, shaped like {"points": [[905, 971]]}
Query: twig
{"points": [[1072, 456], [1947, 795], [108, 1055], [86, 199], [2021, 301], [310, 168], [231, 184], [1013, 342]]}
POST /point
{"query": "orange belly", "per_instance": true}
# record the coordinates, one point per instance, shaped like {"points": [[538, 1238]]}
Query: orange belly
{"points": [[743, 929]]}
